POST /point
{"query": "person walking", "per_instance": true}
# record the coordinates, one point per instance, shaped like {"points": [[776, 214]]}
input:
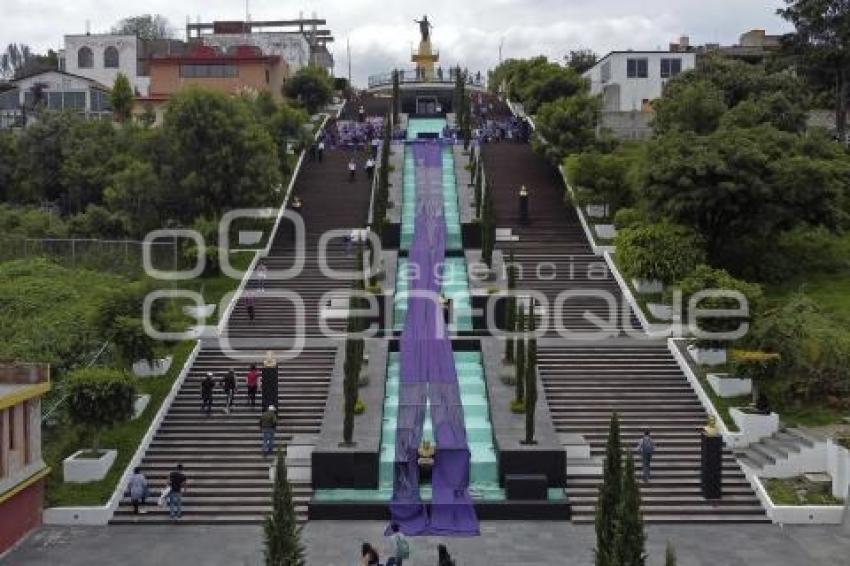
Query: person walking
{"points": [[251, 381], [207, 387], [443, 556], [646, 448], [352, 170], [249, 306], [176, 483], [399, 547], [370, 168], [368, 555], [138, 488], [268, 424], [320, 150], [376, 144], [229, 384], [262, 274]]}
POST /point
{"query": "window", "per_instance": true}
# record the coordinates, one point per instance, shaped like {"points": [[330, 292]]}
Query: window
{"points": [[637, 68], [85, 58], [606, 71], [10, 100], [100, 101], [208, 71], [670, 68], [110, 58]]}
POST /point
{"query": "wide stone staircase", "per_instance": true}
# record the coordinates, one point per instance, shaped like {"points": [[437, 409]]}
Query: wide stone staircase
{"points": [[228, 475], [552, 252], [585, 382], [644, 385], [221, 455]]}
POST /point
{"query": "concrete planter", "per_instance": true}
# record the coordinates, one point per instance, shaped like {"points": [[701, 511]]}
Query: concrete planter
{"points": [[597, 210], [647, 286], [83, 470], [660, 311], [707, 356], [140, 404], [838, 467], [797, 514], [727, 385], [202, 312], [753, 426], [605, 231], [143, 368]]}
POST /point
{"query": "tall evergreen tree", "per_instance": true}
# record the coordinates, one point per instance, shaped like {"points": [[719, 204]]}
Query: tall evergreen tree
{"points": [[530, 377], [520, 357], [670, 555], [121, 98], [282, 533], [510, 309], [631, 539], [608, 501], [396, 95]]}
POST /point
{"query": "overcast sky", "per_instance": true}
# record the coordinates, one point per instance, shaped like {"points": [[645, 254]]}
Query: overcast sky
{"points": [[381, 32]]}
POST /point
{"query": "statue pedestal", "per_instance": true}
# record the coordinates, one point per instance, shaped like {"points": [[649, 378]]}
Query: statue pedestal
{"points": [[270, 386], [712, 465]]}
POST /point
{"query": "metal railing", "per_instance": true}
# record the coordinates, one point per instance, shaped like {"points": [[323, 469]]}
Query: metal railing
{"points": [[440, 75]]}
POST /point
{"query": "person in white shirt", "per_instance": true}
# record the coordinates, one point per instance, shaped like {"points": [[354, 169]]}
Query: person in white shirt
{"points": [[352, 170], [370, 168]]}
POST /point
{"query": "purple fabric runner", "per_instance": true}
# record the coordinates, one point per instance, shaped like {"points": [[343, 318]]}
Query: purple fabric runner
{"points": [[428, 371]]}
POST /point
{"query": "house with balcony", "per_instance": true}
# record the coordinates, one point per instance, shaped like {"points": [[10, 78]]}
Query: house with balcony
{"points": [[22, 468]]}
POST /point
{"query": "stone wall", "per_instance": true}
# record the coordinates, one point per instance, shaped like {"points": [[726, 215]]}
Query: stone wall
{"points": [[627, 125]]}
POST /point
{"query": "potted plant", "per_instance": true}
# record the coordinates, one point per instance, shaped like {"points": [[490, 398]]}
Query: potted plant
{"points": [[653, 255], [713, 333], [98, 398]]}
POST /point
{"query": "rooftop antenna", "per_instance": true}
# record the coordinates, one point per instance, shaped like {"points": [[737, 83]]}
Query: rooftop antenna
{"points": [[88, 27], [348, 48]]}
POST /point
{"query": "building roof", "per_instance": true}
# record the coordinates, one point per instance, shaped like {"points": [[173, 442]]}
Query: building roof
{"points": [[20, 382], [93, 82]]}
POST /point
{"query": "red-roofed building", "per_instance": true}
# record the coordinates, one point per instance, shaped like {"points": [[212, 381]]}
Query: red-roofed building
{"points": [[242, 68]]}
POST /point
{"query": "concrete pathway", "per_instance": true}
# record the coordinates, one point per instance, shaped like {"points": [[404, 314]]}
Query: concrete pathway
{"points": [[332, 543]]}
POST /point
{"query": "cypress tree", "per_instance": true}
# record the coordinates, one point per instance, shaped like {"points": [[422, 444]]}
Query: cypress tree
{"points": [[670, 555], [396, 96], [530, 378], [282, 532], [608, 501], [510, 309], [520, 357], [631, 540]]}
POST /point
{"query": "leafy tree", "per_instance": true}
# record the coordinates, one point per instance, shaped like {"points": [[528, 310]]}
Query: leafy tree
{"points": [[281, 529], [311, 86], [822, 36], [99, 398], [694, 106], [121, 98], [41, 148], [354, 347], [147, 27], [536, 81], [220, 156], [631, 539], [97, 222], [775, 109], [8, 162], [665, 252], [608, 502], [530, 377], [135, 193], [287, 126], [19, 60], [604, 175], [568, 124], [87, 163], [740, 185], [581, 60]]}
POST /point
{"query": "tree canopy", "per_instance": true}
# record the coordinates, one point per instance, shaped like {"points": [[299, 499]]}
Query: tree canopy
{"points": [[536, 81], [147, 27], [312, 87]]}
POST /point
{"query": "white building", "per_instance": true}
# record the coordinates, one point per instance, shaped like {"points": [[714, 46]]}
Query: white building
{"points": [[101, 57], [630, 80], [58, 90], [293, 47]]}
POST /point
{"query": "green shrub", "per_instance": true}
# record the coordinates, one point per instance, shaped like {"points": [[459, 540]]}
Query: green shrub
{"points": [[359, 407], [605, 175], [99, 398], [666, 252], [629, 218], [705, 278]]}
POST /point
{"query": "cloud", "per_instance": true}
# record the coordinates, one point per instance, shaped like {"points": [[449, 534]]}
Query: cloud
{"points": [[468, 32]]}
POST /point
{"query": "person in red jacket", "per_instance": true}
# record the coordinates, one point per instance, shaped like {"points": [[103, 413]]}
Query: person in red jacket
{"points": [[251, 381]]}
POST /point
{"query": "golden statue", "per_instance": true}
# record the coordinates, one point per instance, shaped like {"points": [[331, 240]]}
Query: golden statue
{"points": [[710, 427], [426, 58]]}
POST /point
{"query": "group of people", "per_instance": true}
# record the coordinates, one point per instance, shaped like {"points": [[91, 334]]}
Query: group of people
{"points": [[172, 494], [399, 551], [228, 385]]}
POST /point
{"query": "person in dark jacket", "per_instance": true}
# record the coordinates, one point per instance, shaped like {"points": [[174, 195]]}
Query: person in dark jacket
{"points": [[229, 384], [268, 424], [646, 448], [443, 556], [207, 387], [368, 555]]}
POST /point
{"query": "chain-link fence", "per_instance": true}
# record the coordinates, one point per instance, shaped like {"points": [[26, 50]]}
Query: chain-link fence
{"points": [[115, 256]]}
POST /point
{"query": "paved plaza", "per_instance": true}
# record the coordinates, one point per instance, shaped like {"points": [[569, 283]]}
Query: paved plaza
{"points": [[332, 543]]}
